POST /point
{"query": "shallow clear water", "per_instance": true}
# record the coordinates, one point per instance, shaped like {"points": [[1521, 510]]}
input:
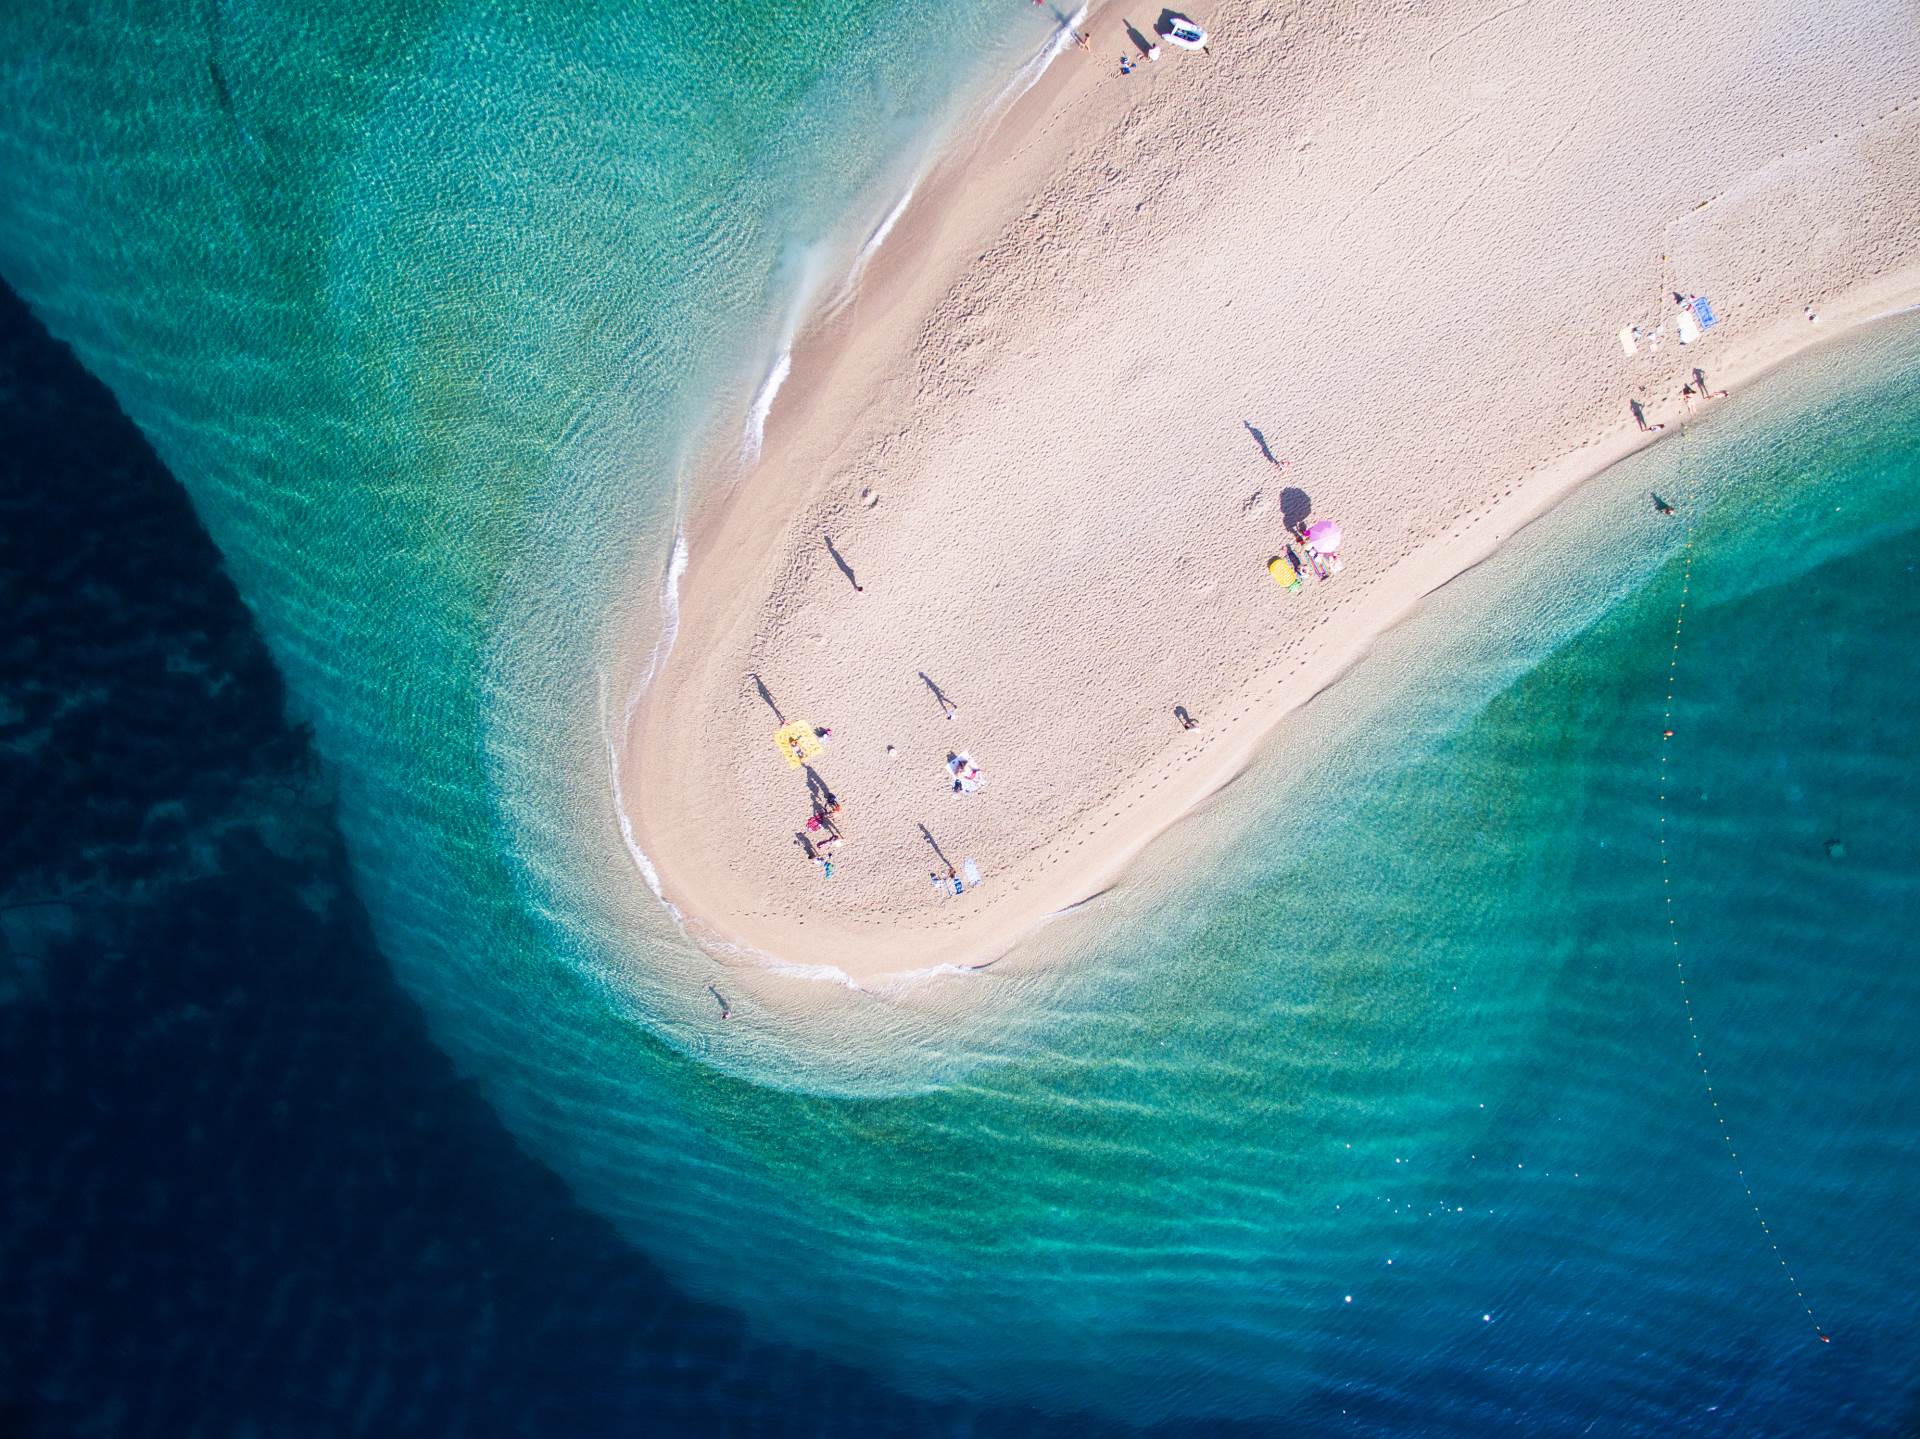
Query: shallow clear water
{"points": [[423, 325]]}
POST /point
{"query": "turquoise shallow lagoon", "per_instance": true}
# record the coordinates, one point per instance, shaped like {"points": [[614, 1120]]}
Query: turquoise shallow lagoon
{"points": [[1378, 1108]]}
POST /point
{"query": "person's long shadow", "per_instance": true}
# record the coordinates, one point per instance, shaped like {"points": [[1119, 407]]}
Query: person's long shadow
{"points": [[845, 568], [761, 685], [822, 797], [946, 704], [1141, 42], [934, 845], [1266, 450]]}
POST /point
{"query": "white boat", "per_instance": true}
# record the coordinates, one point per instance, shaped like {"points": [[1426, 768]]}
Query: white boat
{"points": [[1183, 32]]}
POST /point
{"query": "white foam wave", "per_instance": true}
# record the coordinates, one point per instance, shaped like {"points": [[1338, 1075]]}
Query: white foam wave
{"points": [[1023, 80], [885, 227], [669, 619], [875, 241], [908, 978], [756, 434], [1028, 75], [615, 736], [815, 973]]}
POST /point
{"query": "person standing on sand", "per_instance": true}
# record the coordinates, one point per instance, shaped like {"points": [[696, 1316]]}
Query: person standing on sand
{"points": [[1083, 40], [1700, 387], [1694, 394], [1187, 721], [1640, 418]]}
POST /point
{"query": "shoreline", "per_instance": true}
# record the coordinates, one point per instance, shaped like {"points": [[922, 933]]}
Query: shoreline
{"points": [[853, 366]]}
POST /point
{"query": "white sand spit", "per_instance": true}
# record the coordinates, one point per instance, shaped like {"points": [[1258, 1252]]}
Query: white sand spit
{"points": [[1394, 246]]}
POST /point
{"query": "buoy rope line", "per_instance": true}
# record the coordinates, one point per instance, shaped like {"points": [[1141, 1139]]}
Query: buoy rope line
{"points": [[1687, 500]]}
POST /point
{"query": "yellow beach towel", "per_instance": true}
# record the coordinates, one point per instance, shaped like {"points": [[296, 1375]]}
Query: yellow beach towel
{"points": [[798, 743]]}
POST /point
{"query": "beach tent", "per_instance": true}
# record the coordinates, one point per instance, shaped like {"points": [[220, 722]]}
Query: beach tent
{"points": [[797, 742]]}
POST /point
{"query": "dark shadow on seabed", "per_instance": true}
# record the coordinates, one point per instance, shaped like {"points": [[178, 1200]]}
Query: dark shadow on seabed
{"points": [[243, 1190]]}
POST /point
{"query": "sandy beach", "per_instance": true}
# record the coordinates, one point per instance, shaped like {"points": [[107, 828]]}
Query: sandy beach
{"points": [[1018, 499]]}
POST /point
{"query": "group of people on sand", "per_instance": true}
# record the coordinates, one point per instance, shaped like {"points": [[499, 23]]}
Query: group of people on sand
{"points": [[823, 832], [1693, 392], [822, 835]]}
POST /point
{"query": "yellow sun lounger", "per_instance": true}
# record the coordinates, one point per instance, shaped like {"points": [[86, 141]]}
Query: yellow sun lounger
{"points": [[798, 743]]}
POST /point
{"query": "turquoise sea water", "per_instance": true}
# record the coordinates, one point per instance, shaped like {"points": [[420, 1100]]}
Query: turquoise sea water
{"points": [[421, 306]]}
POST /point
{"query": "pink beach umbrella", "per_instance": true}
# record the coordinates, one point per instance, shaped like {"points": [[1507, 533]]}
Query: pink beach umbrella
{"points": [[1324, 536]]}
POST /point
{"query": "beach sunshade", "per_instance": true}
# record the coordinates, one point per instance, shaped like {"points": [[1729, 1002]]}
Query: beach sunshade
{"points": [[1324, 536], [797, 742]]}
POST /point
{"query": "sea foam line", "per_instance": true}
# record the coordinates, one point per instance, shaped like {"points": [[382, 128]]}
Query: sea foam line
{"points": [[1024, 79], [669, 621], [1028, 75], [813, 973], [874, 241], [615, 738], [612, 740], [756, 434]]}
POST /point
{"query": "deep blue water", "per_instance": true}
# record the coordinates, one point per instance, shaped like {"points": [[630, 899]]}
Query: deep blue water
{"points": [[244, 1193]]}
